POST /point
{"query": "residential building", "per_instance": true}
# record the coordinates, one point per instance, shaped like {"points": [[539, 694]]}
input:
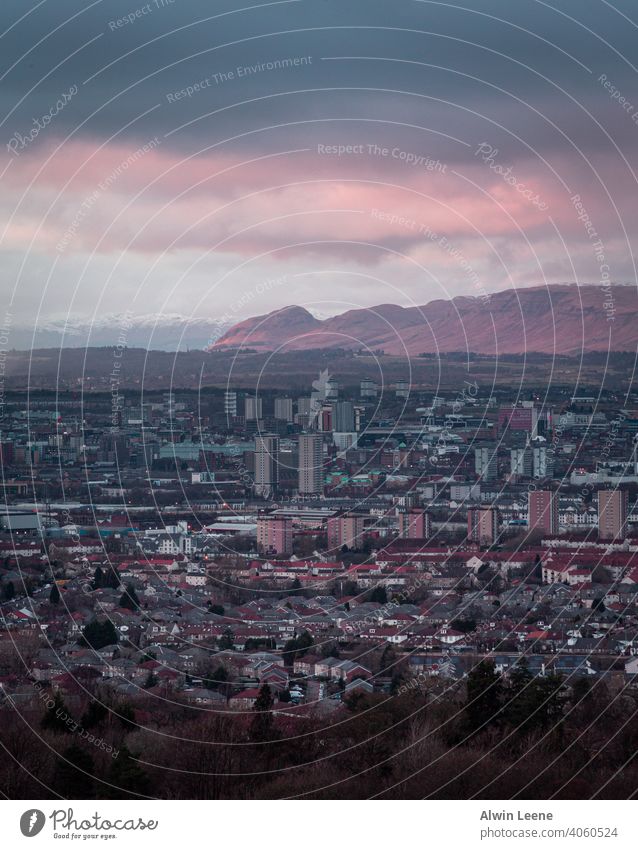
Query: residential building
{"points": [[230, 402], [369, 388], [485, 463], [521, 460], [252, 408], [274, 535], [343, 417], [523, 418], [483, 524], [542, 511], [612, 514], [345, 530], [542, 465], [311, 464], [283, 409], [415, 524], [266, 465]]}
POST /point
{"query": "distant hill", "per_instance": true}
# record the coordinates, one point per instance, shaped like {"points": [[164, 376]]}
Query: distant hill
{"points": [[557, 319], [162, 332]]}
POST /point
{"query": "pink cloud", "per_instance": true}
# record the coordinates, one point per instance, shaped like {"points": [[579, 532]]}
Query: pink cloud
{"points": [[225, 202]]}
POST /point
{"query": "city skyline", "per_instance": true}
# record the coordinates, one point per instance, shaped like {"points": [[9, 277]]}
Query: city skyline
{"points": [[319, 416]]}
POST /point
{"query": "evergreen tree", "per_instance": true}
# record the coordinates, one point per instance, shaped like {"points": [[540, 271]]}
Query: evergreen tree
{"points": [[226, 641], [9, 591], [464, 624], [304, 642], [330, 650], [289, 652], [98, 634], [57, 717], [218, 678], [397, 680], [127, 779], [549, 712], [379, 595], [111, 579], [519, 695], [534, 703], [94, 714], [129, 599], [126, 715], [73, 773], [262, 723], [151, 680], [484, 694], [296, 647], [388, 659], [54, 595], [98, 578]]}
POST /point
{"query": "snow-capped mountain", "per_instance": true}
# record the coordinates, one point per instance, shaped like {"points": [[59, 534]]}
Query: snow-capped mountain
{"points": [[164, 332]]}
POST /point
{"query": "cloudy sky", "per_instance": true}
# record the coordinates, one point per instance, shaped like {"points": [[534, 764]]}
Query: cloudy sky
{"points": [[223, 159]]}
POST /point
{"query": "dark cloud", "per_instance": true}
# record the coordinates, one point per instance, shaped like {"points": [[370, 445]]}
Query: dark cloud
{"points": [[244, 80], [452, 60]]}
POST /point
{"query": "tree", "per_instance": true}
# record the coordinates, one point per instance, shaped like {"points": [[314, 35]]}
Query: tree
{"points": [[54, 595], [126, 715], [534, 703], [296, 647], [98, 634], [484, 696], [518, 695], [329, 650], [261, 726], [73, 774], [94, 714], [227, 640], [98, 578], [218, 678], [129, 599], [388, 659], [111, 579], [9, 591], [549, 711], [304, 642], [216, 608], [396, 681], [464, 624], [344, 588], [379, 595], [57, 717], [289, 652], [151, 680], [126, 777]]}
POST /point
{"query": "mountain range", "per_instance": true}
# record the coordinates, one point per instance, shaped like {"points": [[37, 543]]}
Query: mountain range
{"points": [[159, 332], [555, 319]]}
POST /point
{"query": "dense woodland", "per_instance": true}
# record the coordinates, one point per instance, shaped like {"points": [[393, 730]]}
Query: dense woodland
{"points": [[488, 738]]}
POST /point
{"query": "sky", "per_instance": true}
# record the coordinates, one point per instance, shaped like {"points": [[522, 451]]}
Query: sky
{"points": [[223, 159]]}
